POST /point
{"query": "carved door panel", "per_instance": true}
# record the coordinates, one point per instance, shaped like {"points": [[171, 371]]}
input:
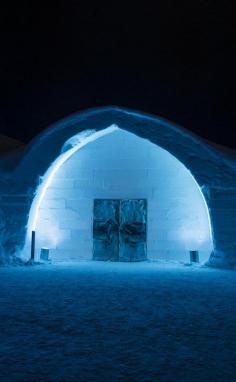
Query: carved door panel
{"points": [[120, 230], [106, 230], [133, 230]]}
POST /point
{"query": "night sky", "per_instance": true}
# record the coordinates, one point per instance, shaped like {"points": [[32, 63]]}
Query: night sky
{"points": [[170, 58]]}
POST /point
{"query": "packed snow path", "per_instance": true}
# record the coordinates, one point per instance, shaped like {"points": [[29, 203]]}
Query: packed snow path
{"points": [[117, 322]]}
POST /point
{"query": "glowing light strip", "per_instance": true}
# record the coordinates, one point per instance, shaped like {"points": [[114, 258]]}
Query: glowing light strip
{"points": [[206, 206], [50, 173]]}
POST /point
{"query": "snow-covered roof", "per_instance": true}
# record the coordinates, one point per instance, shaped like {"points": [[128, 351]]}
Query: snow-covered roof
{"points": [[185, 145]]}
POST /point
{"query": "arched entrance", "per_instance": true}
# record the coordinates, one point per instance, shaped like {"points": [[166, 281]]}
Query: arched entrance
{"points": [[113, 164]]}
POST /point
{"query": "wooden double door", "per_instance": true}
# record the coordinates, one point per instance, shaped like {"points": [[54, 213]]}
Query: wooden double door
{"points": [[120, 230]]}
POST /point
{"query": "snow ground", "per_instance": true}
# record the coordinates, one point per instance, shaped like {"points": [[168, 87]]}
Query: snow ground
{"points": [[117, 322]]}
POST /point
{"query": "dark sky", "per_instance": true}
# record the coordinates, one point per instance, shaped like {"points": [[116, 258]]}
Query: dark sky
{"points": [[170, 58]]}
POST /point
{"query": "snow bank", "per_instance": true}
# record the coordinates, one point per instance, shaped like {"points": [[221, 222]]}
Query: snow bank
{"points": [[101, 322]]}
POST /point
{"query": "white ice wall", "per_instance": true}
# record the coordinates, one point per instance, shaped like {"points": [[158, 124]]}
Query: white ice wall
{"points": [[122, 165]]}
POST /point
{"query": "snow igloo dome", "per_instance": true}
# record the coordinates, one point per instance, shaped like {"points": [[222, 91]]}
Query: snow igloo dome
{"points": [[112, 184]]}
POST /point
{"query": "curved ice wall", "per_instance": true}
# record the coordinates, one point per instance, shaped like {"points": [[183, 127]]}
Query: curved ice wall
{"points": [[122, 165]]}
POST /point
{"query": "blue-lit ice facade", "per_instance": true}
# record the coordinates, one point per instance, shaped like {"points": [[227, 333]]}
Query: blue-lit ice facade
{"points": [[119, 165], [184, 178]]}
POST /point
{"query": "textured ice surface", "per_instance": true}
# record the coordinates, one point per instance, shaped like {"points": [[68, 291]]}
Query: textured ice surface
{"points": [[214, 168], [121, 166], [117, 322]]}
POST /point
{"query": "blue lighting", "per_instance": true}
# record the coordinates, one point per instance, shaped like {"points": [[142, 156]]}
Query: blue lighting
{"points": [[119, 165]]}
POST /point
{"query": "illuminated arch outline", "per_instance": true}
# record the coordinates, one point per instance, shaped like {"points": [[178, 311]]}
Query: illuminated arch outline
{"points": [[47, 178], [83, 140]]}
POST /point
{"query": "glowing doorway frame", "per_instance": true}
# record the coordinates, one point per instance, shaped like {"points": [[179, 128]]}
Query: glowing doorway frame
{"points": [[83, 140]]}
